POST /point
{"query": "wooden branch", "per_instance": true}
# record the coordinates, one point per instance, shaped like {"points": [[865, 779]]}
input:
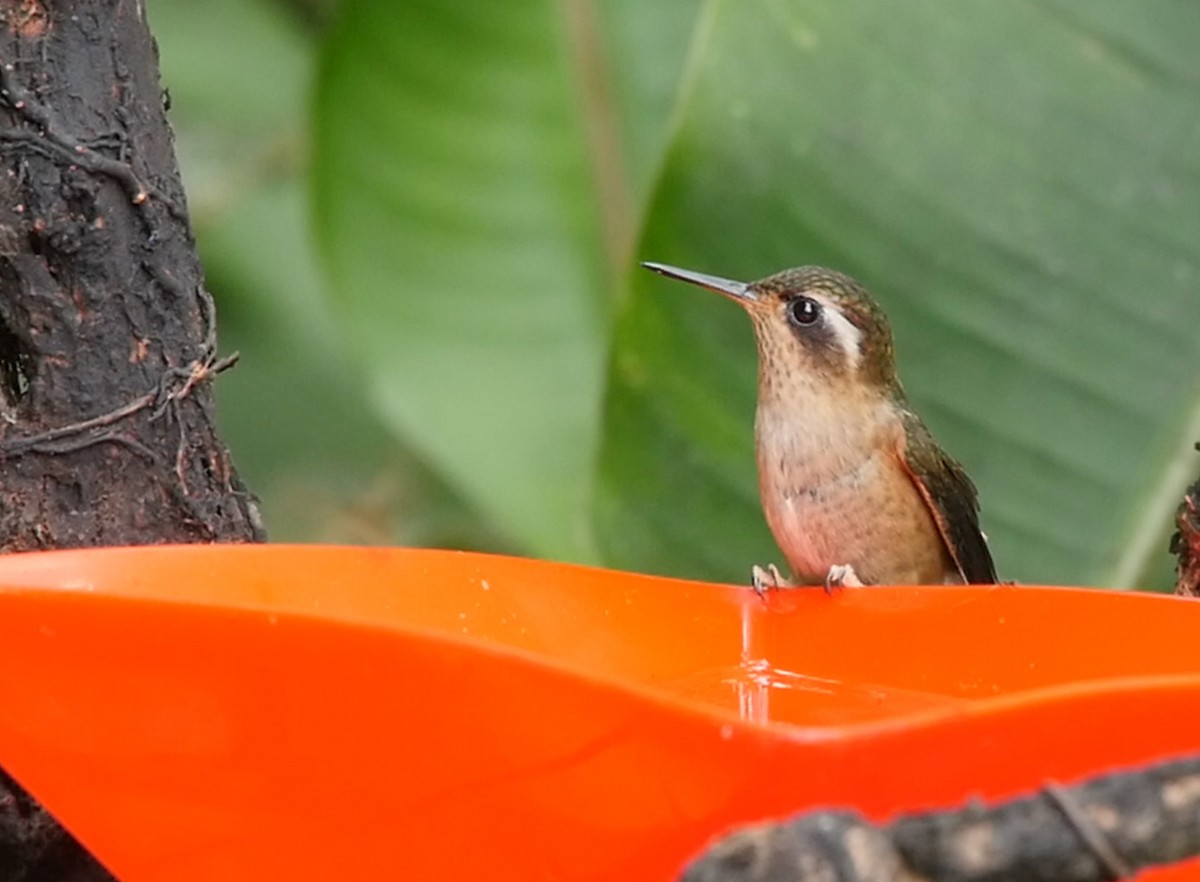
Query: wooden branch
{"points": [[1104, 829]]}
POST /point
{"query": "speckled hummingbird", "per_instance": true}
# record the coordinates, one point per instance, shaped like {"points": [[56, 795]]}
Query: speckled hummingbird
{"points": [[854, 487]]}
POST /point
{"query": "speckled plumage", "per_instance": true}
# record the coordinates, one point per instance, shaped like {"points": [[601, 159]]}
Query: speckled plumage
{"points": [[848, 474]]}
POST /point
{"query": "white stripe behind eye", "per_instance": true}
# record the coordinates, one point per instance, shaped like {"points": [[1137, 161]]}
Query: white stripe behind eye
{"points": [[847, 334]]}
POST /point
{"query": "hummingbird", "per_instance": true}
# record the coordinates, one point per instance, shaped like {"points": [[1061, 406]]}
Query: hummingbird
{"points": [[854, 487]]}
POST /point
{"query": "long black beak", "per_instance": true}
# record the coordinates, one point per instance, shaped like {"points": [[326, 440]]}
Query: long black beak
{"points": [[739, 291]]}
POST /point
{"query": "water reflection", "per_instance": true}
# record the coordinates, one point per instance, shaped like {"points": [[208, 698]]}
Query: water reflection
{"points": [[761, 692]]}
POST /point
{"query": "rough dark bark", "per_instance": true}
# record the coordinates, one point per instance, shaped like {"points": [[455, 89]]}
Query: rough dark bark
{"points": [[107, 334], [106, 331], [1107, 828], [1185, 544]]}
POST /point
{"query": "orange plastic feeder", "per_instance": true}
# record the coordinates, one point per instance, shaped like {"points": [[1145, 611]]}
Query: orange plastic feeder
{"points": [[305, 713]]}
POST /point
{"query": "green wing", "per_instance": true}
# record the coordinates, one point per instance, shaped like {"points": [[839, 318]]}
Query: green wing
{"points": [[953, 501]]}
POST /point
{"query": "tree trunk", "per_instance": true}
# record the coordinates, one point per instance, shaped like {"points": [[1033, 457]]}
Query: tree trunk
{"points": [[107, 334]]}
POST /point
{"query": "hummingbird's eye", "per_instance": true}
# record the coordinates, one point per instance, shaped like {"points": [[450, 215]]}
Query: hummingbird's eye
{"points": [[803, 311]]}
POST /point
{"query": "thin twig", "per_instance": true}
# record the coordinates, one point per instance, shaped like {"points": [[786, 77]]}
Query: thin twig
{"points": [[1091, 835]]}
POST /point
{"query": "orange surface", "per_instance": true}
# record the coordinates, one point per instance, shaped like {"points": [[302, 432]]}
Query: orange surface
{"points": [[303, 713]]}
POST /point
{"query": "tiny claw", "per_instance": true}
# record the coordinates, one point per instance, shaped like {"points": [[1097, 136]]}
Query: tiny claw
{"points": [[841, 576], [764, 579]]}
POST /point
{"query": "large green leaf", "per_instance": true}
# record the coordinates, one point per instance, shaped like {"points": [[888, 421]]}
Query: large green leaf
{"points": [[643, 48], [453, 200], [478, 171], [1019, 184]]}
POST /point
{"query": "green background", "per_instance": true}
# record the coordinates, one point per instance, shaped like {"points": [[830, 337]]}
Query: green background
{"points": [[421, 221]]}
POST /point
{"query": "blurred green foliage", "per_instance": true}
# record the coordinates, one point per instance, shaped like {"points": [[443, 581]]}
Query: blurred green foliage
{"points": [[421, 219]]}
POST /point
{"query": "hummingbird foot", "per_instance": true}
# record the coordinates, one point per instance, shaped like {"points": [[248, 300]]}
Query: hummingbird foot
{"points": [[763, 579], [841, 576]]}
